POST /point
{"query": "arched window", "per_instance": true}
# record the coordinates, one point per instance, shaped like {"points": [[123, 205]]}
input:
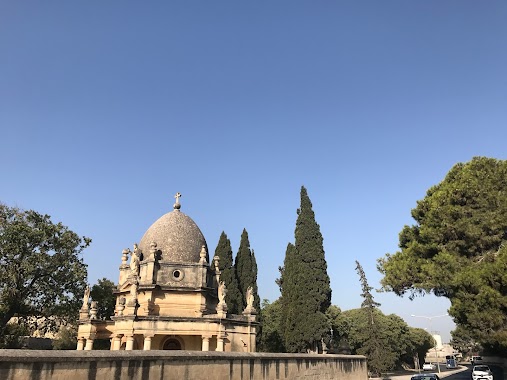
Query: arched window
{"points": [[172, 344]]}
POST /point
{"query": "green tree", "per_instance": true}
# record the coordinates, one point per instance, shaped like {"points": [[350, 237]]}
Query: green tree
{"points": [[379, 359], [271, 339], [463, 342], [102, 292], [306, 292], [246, 270], [12, 335], [456, 249], [233, 297], [66, 338], [420, 342], [41, 269]]}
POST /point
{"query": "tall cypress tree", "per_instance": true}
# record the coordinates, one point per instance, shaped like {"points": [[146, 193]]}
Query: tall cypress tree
{"points": [[306, 291], [246, 270], [228, 276]]}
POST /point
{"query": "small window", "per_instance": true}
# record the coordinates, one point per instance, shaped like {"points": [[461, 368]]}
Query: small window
{"points": [[178, 275]]}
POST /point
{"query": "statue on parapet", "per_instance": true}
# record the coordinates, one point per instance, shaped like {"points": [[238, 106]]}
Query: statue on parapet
{"points": [[135, 260], [86, 298], [250, 299], [222, 292]]}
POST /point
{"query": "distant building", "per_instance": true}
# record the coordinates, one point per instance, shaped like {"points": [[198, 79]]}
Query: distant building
{"points": [[441, 350], [169, 296]]}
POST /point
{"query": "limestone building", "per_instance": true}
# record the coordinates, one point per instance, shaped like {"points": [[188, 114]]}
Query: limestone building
{"points": [[169, 296]]}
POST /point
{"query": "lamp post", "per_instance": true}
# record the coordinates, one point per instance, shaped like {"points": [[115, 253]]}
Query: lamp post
{"points": [[430, 319]]}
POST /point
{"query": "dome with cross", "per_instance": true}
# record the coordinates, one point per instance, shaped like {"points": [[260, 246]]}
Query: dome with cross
{"points": [[178, 238]]}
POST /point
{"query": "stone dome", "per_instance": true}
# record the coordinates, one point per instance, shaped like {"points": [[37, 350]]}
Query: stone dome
{"points": [[177, 236]]}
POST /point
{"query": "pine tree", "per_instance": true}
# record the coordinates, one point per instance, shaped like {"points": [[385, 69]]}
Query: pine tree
{"points": [[306, 292], [246, 270], [233, 296], [374, 348]]}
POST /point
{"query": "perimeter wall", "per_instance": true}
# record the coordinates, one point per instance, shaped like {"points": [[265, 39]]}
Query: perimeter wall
{"points": [[181, 365]]}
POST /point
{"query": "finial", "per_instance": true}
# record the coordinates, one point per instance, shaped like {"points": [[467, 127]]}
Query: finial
{"points": [[177, 205]]}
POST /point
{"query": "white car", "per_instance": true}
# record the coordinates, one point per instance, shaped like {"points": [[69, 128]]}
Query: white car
{"points": [[429, 367], [481, 372]]}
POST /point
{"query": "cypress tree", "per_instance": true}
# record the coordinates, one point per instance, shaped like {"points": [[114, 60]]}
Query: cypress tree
{"points": [[306, 292], [246, 270], [225, 264]]}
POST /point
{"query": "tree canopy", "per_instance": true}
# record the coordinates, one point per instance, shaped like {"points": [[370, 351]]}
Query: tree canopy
{"points": [[102, 292], [41, 269], [456, 249], [271, 339], [394, 342], [305, 285], [233, 298], [246, 270]]}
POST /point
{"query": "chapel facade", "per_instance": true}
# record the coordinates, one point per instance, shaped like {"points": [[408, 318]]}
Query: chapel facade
{"points": [[169, 297]]}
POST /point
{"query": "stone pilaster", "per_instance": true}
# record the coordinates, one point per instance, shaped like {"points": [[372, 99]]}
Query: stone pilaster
{"points": [[80, 343], [205, 342], [130, 343], [89, 342], [147, 342]]}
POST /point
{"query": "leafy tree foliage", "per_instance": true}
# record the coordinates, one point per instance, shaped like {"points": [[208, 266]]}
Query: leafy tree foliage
{"points": [[456, 249], [271, 339], [304, 282], [398, 342], [102, 292], [246, 270], [233, 297], [420, 342], [41, 271], [379, 359], [12, 334], [463, 342], [66, 338]]}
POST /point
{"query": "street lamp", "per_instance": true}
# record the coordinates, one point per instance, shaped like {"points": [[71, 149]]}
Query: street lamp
{"points": [[430, 319]]}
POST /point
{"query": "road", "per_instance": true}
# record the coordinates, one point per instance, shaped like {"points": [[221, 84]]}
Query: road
{"points": [[456, 374], [498, 373]]}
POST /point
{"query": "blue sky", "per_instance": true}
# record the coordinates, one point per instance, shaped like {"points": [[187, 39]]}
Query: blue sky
{"points": [[107, 109]]}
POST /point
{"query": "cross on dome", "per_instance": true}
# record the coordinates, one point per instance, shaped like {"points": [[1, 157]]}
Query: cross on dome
{"points": [[177, 205]]}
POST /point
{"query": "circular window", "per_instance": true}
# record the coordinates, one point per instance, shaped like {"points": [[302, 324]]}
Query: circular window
{"points": [[178, 275]]}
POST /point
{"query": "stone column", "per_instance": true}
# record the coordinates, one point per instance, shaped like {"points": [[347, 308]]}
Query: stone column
{"points": [[147, 342], [205, 343], [80, 344], [130, 343], [89, 344], [220, 343], [116, 344]]}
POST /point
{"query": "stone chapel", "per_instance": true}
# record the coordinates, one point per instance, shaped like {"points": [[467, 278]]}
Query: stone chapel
{"points": [[169, 297]]}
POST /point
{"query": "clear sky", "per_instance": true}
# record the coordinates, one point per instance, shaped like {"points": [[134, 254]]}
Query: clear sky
{"points": [[107, 109]]}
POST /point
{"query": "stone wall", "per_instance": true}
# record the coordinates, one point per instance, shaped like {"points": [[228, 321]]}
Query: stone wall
{"points": [[181, 365]]}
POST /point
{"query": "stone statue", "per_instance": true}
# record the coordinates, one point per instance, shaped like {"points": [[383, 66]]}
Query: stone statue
{"points": [[249, 297], [222, 292], [120, 306], [153, 251], [86, 297], [134, 260]]}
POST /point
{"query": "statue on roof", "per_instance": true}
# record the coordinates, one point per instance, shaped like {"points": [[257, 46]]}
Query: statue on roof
{"points": [[86, 297], [135, 260], [222, 292]]}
